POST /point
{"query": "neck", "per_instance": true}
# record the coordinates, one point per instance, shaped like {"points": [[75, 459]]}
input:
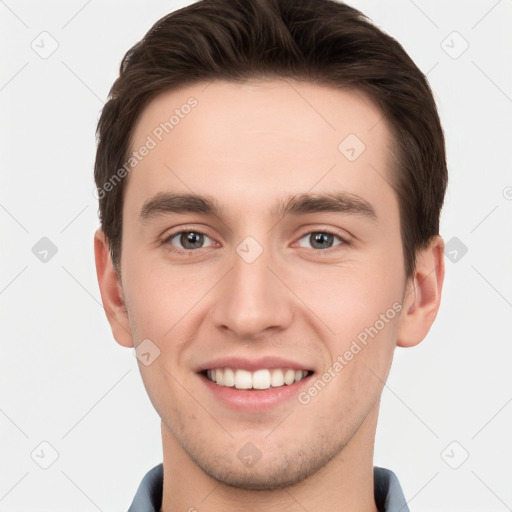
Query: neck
{"points": [[344, 483]]}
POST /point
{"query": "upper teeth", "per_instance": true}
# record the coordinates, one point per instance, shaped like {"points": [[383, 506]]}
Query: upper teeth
{"points": [[260, 379]]}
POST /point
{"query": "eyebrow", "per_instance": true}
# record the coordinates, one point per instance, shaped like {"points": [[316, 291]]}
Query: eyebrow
{"points": [[179, 203]]}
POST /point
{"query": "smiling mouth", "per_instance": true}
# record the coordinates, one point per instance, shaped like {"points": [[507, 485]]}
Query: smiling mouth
{"points": [[257, 380]]}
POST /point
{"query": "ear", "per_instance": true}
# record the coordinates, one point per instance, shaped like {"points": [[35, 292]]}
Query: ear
{"points": [[111, 291], [423, 295]]}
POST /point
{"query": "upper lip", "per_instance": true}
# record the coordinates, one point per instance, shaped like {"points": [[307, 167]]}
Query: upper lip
{"points": [[253, 364]]}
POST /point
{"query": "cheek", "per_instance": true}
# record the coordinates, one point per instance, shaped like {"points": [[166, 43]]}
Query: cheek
{"points": [[160, 299], [163, 306], [349, 298], [159, 305]]}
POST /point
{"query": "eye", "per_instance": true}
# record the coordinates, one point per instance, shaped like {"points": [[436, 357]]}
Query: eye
{"points": [[321, 240], [189, 240]]}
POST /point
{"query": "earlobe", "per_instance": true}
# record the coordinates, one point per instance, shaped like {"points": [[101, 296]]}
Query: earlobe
{"points": [[111, 291], [423, 295]]}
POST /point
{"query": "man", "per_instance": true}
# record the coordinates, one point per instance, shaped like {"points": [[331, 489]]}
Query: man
{"points": [[270, 176]]}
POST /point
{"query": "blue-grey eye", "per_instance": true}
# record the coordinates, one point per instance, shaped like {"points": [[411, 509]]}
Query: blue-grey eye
{"points": [[320, 240]]}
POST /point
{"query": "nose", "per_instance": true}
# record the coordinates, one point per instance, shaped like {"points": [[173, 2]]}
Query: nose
{"points": [[253, 298]]}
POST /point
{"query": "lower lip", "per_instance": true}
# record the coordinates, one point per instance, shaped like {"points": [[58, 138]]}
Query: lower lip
{"points": [[255, 400]]}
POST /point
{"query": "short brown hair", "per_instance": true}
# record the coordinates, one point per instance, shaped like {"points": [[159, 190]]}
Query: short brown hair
{"points": [[320, 41]]}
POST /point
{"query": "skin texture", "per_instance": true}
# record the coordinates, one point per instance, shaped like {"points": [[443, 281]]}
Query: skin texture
{"points": [[250, 145]]}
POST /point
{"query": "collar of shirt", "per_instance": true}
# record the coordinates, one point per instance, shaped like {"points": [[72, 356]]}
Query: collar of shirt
{"points": [[388, 493]]}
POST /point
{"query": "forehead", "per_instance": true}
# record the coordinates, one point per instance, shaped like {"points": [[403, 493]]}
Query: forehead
{"points": [[248, 141]]}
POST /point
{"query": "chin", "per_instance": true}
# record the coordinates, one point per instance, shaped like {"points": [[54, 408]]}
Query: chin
{"points": [[268, 473]]}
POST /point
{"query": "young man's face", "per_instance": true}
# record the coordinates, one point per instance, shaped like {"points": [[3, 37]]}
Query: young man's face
{"points": [[252, 288]]}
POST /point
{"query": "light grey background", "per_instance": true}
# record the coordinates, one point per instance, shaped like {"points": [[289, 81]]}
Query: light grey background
{"points": [[64, 380]]}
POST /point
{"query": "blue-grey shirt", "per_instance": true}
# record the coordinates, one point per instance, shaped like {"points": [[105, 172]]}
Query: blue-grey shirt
{"points": [[388, 493]]}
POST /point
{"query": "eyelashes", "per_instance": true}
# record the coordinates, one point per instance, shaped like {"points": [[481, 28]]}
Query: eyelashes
{"points": [[323, 232], [185, 237], [192, 241]]}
